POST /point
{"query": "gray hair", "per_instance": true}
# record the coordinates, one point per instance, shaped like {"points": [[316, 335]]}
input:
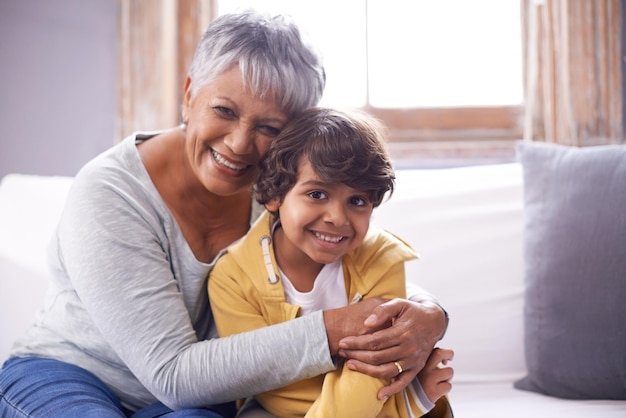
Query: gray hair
{"points": [[271, 54]]}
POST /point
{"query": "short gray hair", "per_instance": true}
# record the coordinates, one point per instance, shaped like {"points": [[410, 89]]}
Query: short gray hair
{"points": [[271, 53]]}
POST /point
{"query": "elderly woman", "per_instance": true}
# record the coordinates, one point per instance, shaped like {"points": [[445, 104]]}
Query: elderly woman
{"points": [[126, 326]]}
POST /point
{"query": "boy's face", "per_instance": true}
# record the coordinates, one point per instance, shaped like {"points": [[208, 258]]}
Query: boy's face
{"points": [[320, 221]]}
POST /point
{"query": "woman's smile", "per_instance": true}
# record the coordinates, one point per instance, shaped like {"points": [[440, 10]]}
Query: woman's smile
{"points": [[226, 163]]}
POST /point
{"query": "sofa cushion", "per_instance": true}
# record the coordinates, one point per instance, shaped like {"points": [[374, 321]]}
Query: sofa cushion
{"points": [[30, 207], [575, 270], [467, 225]]}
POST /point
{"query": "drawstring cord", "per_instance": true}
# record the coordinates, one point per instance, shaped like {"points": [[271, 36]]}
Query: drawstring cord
{"points": [[267, 259]]}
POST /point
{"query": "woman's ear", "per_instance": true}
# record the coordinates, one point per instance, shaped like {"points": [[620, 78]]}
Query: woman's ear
{"points": [[186, 96], [272, 205]]}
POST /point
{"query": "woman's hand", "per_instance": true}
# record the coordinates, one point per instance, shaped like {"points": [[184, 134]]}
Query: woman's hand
{"points": [[395, 341], [350, 320]]}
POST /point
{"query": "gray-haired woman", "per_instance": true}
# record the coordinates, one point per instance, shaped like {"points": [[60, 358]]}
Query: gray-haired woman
{"points": [[126, 327]]}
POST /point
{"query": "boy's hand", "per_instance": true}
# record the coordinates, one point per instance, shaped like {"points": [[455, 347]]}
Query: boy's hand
{"points": [[436, 375]]}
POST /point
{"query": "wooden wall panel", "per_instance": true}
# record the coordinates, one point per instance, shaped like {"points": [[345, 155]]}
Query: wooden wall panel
{"points": [[157, 39]]}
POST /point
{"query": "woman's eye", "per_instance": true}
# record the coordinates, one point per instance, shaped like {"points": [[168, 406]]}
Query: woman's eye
{"points": [[316, 194], [224, 111], [269, 131]]}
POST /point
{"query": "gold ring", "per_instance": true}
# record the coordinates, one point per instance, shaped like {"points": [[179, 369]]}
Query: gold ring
{"points": [[397, 364]]}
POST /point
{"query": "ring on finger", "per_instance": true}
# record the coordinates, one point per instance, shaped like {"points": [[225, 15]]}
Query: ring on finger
{"points": [[398, 366]]}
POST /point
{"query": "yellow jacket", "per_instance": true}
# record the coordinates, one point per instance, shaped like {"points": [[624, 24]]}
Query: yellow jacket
{"points": [[243, 298]]}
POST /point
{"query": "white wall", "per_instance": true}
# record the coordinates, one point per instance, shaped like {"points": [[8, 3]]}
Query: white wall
{"points": [[58, 70]]}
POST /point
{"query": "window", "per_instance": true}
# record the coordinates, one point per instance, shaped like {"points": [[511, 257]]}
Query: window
{"points": [[573, 69], [445, 76]]}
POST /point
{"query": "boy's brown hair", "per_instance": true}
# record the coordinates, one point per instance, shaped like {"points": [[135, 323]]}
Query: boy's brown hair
{"points": [[342, 147]]}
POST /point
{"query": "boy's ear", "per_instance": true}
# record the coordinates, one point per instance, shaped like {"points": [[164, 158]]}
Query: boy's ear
{"points": [[272, 205]]}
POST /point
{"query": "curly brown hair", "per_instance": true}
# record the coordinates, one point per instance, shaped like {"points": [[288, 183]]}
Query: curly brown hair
{"points": [[341, 146]]}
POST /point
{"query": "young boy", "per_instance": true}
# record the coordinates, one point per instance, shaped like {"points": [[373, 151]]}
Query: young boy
{"points": [[314, 250]]}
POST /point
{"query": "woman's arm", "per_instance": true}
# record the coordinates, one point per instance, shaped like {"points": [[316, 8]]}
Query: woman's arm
{"points": [[137, 320], [419, 294]]}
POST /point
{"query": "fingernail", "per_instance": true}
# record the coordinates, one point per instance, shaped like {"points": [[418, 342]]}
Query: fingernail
{"points": [[370, 319]]}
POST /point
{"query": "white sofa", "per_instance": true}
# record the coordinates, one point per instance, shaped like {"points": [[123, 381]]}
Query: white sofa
{"points": [[467, 224]]}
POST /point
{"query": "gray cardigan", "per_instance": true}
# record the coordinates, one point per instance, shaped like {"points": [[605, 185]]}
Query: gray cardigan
{"points": [[127, 301]]}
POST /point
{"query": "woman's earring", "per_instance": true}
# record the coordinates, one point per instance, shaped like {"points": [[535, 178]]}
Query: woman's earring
{"points": [[183, 125]]}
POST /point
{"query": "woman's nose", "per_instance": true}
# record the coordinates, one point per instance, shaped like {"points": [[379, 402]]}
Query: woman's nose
{"points": [[240, 140]]}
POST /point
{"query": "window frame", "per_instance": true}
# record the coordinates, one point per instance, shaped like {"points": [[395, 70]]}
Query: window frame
{"points": [[157, 39]]}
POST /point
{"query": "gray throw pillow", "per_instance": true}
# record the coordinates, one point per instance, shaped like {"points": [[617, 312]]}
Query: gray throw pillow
{"points": [[575, 257]]}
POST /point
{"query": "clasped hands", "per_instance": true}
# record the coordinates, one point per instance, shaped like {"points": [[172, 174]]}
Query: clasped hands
{"points": [[392, 339]]}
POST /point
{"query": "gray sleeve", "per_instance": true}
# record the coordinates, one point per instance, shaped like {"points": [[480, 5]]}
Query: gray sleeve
{"points": [[114, 250]]}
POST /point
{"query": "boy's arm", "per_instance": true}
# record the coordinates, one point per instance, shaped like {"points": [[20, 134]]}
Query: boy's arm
{"points": [[347, 393]]}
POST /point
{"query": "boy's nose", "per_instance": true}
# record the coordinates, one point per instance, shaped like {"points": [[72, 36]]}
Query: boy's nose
{"points": [[336, 214]]}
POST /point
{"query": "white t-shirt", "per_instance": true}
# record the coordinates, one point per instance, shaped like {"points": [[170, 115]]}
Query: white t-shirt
{"points": [[329, 290]]}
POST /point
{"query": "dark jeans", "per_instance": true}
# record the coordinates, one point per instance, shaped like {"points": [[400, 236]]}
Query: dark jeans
{"points": [[47, 388]]}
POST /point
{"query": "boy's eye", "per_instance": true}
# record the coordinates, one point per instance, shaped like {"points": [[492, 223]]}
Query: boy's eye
{"points": [[316, 194], [358, 201]]}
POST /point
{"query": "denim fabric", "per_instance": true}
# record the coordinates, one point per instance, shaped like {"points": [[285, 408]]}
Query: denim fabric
{"points": [[40, 387], [160, 410]]}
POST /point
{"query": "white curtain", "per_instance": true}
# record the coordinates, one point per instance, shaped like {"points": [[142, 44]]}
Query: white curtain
{"points": [[573, 71]]}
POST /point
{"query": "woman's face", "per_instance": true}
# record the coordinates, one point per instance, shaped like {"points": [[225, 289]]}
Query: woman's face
{"points": [[228, 131]]}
